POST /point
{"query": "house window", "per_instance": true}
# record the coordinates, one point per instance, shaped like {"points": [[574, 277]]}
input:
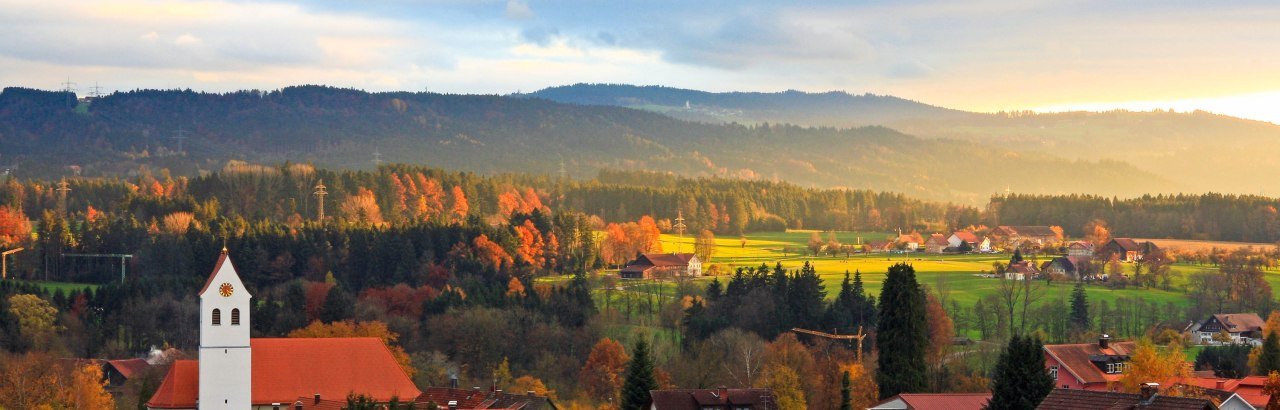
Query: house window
{"points": [[1111, 367], [217, 317], [235, 317], [1053, 372]]}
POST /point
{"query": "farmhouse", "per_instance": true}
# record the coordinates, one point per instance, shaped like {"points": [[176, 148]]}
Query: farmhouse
{"points": [[1243, 328], [662, 265], [911, 241], [935, 244], [1128, 249], [1148, 398], [879, 246], [1075, 267], [1080, 248], [237, 372], [976, 243], [1022, 271], [1090, 366], [1020, 236]]}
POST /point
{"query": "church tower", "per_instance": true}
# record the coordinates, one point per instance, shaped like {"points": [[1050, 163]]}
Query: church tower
{"points": [[225, 359]]}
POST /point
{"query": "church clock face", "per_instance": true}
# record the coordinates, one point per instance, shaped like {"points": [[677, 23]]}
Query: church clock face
{"points": [[226, 290]]}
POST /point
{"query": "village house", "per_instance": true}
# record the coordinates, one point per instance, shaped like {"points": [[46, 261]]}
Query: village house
{"points": [[712, 399], [662, 265], [1023, 270], [934, 401], [475, 398], [935, 244], [1242, 327], [1089, 366], [1148, 398], [239, 372], [1026, 236], [1249, 390], [1074, 267], [976, 243], [1128, 249], [910, 242], [879, 246], [1080, 248]]}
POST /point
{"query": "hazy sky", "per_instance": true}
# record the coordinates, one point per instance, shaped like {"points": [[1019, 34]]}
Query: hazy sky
{"points": [[983, 56]]}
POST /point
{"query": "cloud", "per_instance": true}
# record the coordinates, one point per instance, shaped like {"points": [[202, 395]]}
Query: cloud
{"points": [[518, 10], [186, 40], [539, 35]]}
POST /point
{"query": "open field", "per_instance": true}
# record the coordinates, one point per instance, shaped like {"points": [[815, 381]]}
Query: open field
{"points": [[56, 286], [958, 275], [1189, 245]]}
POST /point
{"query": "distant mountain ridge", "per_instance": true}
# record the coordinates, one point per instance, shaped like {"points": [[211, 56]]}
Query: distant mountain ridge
{"points": [[44, 132], [832, 108]]}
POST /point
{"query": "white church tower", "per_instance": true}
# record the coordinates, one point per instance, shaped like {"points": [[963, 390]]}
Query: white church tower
{"points": [[225, 359]]}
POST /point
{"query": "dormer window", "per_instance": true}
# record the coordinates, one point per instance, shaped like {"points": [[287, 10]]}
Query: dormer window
{"points": [[217, 317]]}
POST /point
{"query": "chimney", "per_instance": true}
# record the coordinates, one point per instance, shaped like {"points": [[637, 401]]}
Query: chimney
{"points": [[530, 393], [316, 399], [1222, 385], [1102, 341], [453, 382], [1148, 392], [297, 405], [723, 393]]}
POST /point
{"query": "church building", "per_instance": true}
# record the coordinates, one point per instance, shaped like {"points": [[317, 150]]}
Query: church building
{"points": [[235, 371]]}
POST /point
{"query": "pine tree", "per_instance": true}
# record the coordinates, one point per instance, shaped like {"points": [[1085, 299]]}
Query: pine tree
{"points": [[1020, 380], [902, 333], [1269, 359], [1017, 257], [1079, 308], [640, 379], [846, 392], [337, 306]]}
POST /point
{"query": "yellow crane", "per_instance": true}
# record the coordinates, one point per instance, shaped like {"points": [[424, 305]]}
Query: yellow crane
{"points": [[858, 337], [4, 262]]}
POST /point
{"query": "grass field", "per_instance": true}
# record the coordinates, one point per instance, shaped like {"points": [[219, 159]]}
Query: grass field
{"points": [[65, 287], [957, 274], [1189, 245]]}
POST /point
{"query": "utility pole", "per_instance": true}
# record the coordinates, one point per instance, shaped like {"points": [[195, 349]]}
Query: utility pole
{"points": [[4, 262], [95, 91], [320, 193], [679, 228], [63, 188], [180, 135], [377, 158]]}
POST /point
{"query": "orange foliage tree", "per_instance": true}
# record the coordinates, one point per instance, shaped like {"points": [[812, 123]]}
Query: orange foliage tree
{"points": [[37, 380], [349, 328], [14, 228], [458, 206], [601, 376], [362, 208], [531, 244]]}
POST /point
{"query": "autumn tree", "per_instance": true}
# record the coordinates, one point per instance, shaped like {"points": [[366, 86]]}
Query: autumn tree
{"points": [[36, 317], [1148, 363], [705, 245], [527, 383], [1096, 232], [785, 383], [14, 228], [601, 376], [1020, 380], [458, 206], [362, 208], [39, 381], [902, 334], [941, 333]]}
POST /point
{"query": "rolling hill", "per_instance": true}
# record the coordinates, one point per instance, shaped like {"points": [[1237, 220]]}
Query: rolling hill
{"points": [[44, 132]]}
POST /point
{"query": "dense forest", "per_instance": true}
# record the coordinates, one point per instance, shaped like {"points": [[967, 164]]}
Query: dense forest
{"points": [[1238, 218], [49, 134]]}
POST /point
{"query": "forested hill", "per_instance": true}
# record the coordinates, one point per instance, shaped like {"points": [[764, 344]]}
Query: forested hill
{"points": [[43, 133], [834, 108]]}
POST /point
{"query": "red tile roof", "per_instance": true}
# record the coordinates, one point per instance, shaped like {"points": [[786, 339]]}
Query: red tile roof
{"points": [[180, 387], [129, 367], [216, 267], [937, 239], [1036, 230], [1075, 359], [675, 399], [1240, 322], [476, 399], [1075, 399], [285, 369], [1249, 388], [941, 401], [665, 259], [966, 236]]}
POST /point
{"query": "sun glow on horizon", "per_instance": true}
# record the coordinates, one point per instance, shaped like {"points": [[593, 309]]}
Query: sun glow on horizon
{"points": [[1260, 106]]}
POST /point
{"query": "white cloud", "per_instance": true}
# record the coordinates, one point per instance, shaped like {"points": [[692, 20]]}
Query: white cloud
{"points": [[150, 36], [518, 10], [186, 40]]}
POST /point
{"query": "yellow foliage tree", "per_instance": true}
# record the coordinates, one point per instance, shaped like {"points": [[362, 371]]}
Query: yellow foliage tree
{"points": [[787, 391], [863, 386], [1149, 364], [349, 328], [36, 317], [87, 389], [527, 383]]}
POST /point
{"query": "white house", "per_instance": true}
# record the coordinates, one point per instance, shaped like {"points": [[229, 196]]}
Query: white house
{"points": [[979, 244]]}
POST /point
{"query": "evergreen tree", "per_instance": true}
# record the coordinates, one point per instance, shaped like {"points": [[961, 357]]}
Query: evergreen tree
{"points": [[902, 333], [1079, 308], [806, 297], [1269, 360], [1020, 380], [846, 392], [1017, 256], [640, 379], [337, 306]]}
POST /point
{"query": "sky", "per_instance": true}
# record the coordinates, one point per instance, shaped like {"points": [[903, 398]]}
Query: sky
{"points": [[985, 55]]}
